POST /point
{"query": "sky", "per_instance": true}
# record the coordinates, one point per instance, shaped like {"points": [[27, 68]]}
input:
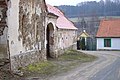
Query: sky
{"points": [[65, 2]]}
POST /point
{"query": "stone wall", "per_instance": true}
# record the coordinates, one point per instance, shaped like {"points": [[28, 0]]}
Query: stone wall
{"points": [[3, 32], [64, 39], [3, 44], [27, 58], [28, 44], [31, 20], [72, 47], [27, 34]]}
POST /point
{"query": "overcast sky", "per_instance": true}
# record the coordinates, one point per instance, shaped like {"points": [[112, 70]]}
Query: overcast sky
{"points": [[65, 2]]}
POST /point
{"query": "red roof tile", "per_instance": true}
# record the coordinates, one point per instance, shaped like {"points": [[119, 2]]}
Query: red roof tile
{"points": [[109, 28], [62, 21]]}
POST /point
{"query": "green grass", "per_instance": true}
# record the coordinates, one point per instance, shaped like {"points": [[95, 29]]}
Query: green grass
{"points": [[69, 60], [45, 67], [76, 55]]}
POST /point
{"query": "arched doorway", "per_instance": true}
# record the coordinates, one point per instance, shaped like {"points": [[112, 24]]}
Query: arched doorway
{"points": [[50, 40]]}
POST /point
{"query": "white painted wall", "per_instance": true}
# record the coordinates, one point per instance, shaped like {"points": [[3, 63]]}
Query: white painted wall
{"points": [[13, 25], [115, 44]]}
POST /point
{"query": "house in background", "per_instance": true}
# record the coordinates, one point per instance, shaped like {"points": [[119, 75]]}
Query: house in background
{"points": [[61, 33], [108, 35]]}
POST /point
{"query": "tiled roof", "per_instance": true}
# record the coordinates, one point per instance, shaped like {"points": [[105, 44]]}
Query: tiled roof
{"points": [[109, 28], [62, 21]]}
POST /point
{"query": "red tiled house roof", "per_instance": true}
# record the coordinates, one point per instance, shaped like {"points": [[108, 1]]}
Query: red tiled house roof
{"points": [[109, 28], [62, 21]]}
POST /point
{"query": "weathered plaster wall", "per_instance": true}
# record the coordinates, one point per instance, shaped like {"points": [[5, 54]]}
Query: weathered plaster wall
{"points": [[26, 31], [3, 33], [3, 38], [3, 44], [31, 24], [66, 38]]}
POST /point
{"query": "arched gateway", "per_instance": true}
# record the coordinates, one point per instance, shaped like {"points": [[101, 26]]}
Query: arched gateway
{"points": [[50, 40]]}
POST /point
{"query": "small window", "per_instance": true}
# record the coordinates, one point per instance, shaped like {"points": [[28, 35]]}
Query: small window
{"points": [[107, 42]]}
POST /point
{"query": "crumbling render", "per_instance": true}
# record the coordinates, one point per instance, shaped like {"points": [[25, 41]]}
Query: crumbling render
{"points": [[4, 52], [31, 22]]}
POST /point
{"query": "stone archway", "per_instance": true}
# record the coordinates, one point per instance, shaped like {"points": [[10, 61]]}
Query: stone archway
{"points": [[50, 40]]}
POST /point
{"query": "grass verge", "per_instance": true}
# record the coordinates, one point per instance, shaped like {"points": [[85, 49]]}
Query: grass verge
{"points": [[71, 55], [69, 60]]}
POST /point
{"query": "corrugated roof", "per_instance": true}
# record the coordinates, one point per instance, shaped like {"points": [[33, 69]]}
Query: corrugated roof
{"points": [[62, 21], [109, 28]]}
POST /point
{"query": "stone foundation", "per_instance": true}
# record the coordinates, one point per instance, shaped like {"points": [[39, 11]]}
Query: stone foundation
{"points": [[25, 59], [61, 51]]}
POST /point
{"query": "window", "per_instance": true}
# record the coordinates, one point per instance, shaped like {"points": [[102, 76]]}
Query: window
{"points": [[107, 42]]}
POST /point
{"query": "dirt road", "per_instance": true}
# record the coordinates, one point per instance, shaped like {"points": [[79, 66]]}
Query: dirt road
{"points": [[108, 64]]}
